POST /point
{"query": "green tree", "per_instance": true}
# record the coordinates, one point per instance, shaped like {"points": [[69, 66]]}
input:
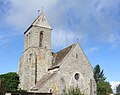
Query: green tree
{"points": [[118, 90], [1, 88], [98, 74], [10, 81], [103, 87]]}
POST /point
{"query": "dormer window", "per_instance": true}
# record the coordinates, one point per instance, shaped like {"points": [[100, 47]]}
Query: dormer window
{"points": [[41, 38]]}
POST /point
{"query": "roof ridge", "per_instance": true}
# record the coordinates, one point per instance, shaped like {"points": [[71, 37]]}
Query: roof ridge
{"points": [[66, 47]]}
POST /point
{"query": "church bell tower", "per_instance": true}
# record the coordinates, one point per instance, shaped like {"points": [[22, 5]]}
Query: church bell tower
{"points": [[37, 56], [38, 34]]}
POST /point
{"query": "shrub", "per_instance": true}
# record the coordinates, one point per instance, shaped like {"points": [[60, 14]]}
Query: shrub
{"points": [[72, 91]]}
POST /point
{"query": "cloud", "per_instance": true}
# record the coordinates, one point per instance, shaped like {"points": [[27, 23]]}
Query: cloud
{"points": [[114, 39], [92, 50], [22, 13], [64, 38], [61, 37], [114, 85], [3, 40], [97, 21]]}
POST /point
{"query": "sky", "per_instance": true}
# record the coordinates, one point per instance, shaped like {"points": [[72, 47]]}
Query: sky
{"points": [[95, 23]]}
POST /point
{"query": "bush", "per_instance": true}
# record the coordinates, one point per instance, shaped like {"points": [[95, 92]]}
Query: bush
{"points": [[72, 91]]}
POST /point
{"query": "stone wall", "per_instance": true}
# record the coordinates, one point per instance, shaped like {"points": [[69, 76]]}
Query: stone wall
{"points": [[33, 64], [32, 38], [74, 63], [35, 59], [52, 85]]}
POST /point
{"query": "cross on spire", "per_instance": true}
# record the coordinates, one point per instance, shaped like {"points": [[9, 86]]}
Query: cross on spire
{"points": [[77, 40], [40, 11]]}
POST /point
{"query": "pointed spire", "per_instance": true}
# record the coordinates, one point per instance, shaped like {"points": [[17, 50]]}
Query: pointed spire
{"points": [[42, 21]]}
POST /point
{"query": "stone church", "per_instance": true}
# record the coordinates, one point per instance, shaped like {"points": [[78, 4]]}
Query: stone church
{"points": [[42, 70]]}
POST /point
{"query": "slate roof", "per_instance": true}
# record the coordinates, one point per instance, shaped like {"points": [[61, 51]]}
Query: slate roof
{"points": [[59, 56], [43, 80]]}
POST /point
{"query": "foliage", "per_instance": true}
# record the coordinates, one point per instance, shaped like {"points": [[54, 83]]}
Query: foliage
{"points": [[10, 81], [103, 87], [98, 74], [1, 88], [118, 90], [72, 91]]}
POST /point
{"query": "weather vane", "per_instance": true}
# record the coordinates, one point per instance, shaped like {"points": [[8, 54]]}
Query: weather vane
{"points": [[77, 40], [40, 11]]}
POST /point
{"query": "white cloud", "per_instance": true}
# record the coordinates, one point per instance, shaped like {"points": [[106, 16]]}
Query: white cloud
{"points": [[62, 38], [114, 85], [3, 40], [92, 50], [22, 13], [92, 19], [114, 39]]}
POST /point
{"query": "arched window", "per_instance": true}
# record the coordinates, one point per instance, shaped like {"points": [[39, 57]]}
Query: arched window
{"points": [[26, 41], [41, 38], [30, 57], [29, 35], [76, 55]]}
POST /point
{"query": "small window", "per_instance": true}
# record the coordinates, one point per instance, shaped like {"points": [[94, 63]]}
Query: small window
{"points": [[26, 40], [77, 76], [50, 90], [30, 57], [76, 55], [29, 39], [41, 38]]}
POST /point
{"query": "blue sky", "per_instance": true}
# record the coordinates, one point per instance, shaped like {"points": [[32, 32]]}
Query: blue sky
{"points": [[95, 22]]}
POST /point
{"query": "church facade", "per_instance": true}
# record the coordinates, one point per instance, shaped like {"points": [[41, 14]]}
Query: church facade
{"points": [[41, 70]]}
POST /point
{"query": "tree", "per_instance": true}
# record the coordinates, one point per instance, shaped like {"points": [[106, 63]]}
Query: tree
{"points": [[10, 81], [1, 88], [98, 74], [103, 87], [118, 90]]}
